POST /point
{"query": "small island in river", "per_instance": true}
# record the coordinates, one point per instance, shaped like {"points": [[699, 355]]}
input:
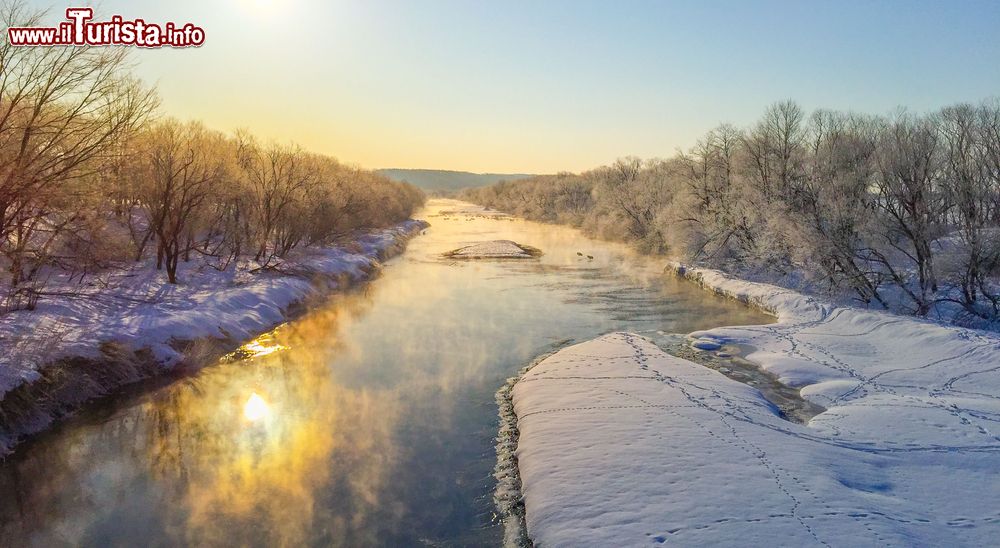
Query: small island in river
{"points": [[496, 249]]}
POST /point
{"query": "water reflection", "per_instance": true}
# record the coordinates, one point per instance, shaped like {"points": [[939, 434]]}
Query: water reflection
{"points": [[261, 346], [256, 409], [367, 422]]}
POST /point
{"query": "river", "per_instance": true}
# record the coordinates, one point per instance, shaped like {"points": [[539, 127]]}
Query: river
{"points": [[368, 421]]}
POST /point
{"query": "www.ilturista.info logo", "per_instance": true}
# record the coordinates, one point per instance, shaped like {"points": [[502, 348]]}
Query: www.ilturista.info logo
{"points": [[79, 30]]}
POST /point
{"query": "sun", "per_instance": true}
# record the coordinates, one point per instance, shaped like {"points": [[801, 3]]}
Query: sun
{"points": [[265, 8]]}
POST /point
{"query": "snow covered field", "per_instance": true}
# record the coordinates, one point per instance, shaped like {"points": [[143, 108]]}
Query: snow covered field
{"points": [[136, 310], [621, 444]]}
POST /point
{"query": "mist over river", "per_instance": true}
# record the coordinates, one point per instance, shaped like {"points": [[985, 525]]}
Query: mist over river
{"points": [[368, 421]]}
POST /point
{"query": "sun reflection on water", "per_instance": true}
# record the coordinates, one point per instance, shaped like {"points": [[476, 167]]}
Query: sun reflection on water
{"points": [[357, 424], [259, 348], [264, 345], [256, 409]]}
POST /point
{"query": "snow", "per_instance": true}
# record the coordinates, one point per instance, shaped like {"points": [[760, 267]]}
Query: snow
{"points": [[496, 249], [137, 308], [622, 444]]}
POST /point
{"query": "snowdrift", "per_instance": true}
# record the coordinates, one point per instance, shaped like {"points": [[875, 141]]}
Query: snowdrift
{"points": [[622, 444]]}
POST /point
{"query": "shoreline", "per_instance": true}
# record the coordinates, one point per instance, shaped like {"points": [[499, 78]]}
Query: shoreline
{"points": [[507, 494], [84, 372]]}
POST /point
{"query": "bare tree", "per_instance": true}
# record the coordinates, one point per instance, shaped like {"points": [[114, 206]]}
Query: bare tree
{"points": [[180, 166], [911, 203], [61, 111], [277, 177], [972, 183]]}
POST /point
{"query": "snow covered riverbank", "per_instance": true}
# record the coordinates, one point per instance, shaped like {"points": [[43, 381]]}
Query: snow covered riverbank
{"points": [[86, 341], [622, 444]]}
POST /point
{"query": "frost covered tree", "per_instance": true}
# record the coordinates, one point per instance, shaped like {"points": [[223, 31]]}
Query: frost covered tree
{"points": [[910, 203], [901, 211], [62, 113], [179, 166], [971, 147]]}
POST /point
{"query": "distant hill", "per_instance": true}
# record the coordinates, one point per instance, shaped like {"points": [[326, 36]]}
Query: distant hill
{"points": [[442, 180]]}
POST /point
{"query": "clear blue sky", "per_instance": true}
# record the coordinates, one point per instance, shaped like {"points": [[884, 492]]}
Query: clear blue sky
{"points": [[540, 86]]}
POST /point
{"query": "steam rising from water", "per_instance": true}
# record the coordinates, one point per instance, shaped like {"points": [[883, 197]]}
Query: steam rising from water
{"points": [[368, 421]]}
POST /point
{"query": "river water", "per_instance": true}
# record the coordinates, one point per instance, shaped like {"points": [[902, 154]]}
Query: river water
{"points": [[368, 421]]}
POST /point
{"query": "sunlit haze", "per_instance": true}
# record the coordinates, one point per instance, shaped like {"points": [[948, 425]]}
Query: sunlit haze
{"points": [[557, 85]]}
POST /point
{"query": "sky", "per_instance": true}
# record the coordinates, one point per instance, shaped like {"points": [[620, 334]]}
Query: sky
{"points": [[550, 85]]}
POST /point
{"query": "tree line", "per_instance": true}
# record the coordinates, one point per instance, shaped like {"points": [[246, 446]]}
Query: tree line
{"points": [[92, 177], [900, 211]]}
